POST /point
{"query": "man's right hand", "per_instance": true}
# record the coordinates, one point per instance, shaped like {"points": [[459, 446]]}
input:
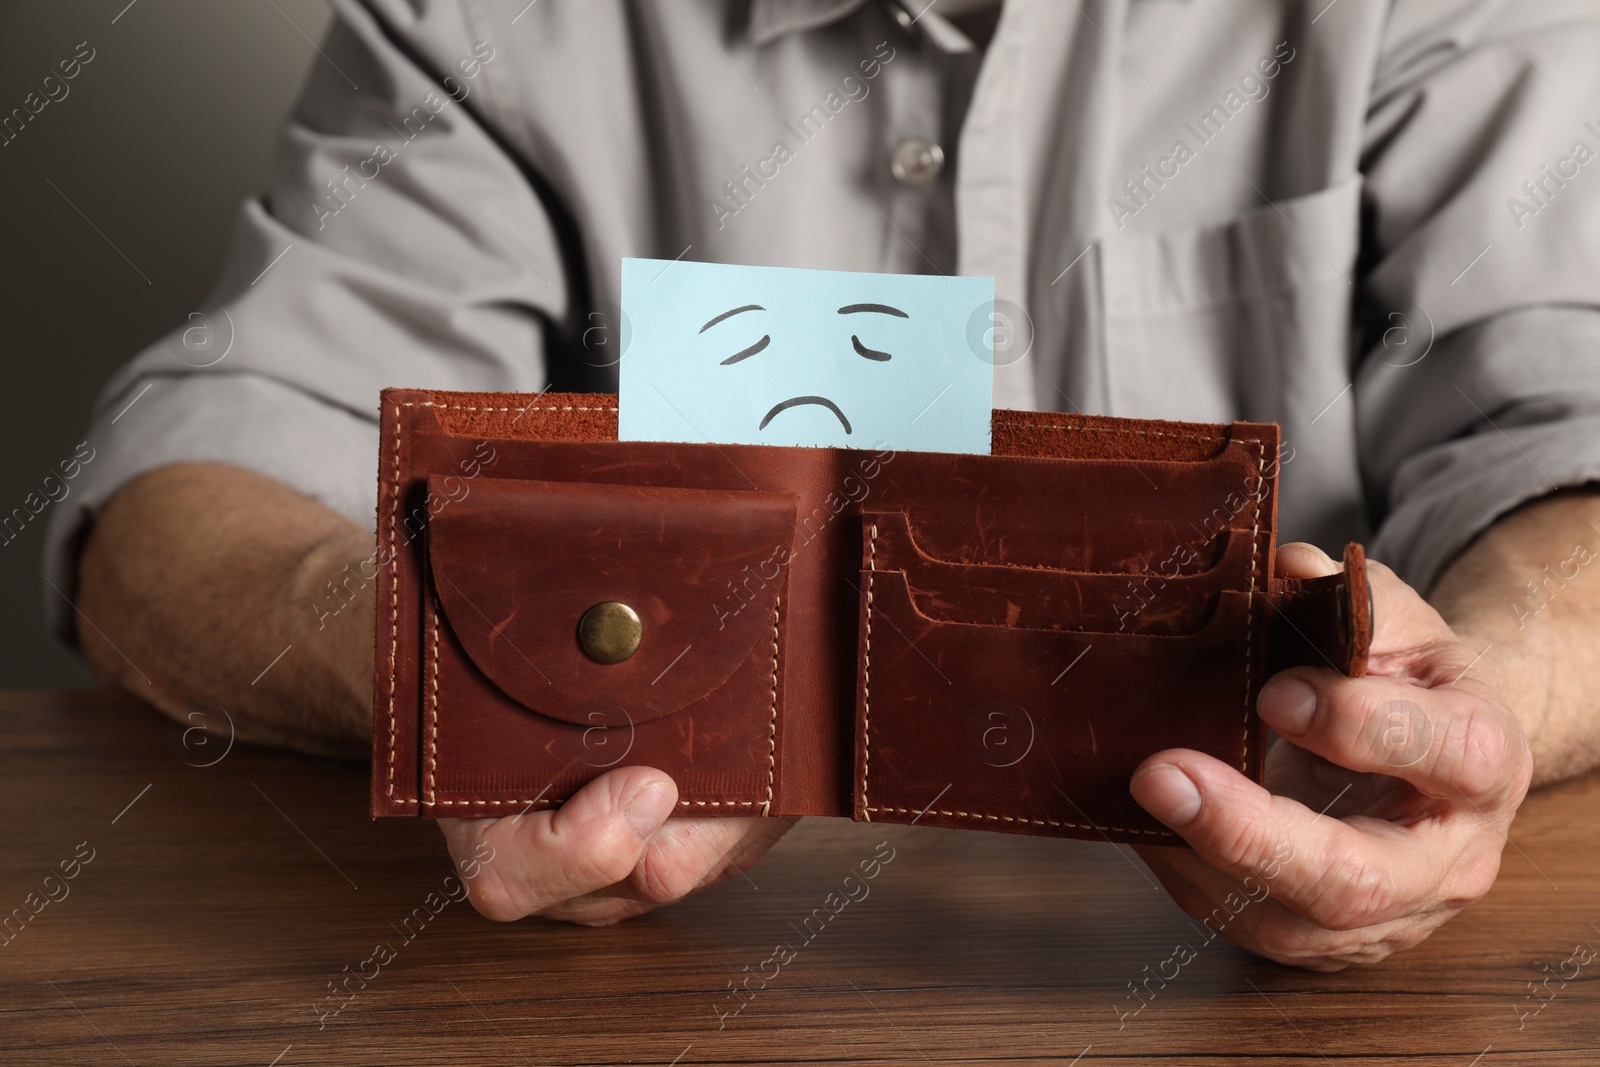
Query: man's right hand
{"points": [[609, 853]]}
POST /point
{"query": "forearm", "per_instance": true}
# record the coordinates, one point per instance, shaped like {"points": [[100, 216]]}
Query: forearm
{"points": [[1528, 591], [205, 586]]}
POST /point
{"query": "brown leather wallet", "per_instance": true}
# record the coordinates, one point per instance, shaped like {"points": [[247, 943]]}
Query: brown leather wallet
{"points": [[989, 642]]}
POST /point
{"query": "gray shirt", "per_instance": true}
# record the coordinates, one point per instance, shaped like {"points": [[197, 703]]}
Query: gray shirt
{"points": [[1376, 222]]}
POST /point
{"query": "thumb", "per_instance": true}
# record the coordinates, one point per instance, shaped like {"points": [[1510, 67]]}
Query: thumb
{"points": [[591, 842]]}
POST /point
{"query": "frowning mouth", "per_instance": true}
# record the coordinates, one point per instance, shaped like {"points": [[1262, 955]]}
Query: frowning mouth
{"points": [[799, 401]]}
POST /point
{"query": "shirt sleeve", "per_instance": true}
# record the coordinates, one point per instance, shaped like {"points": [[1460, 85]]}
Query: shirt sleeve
{"points": [[1479, 387], [398, 244]]}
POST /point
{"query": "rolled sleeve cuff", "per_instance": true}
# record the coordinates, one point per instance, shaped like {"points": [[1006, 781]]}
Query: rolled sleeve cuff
{"points": [[1449, 494], [246, 420]]}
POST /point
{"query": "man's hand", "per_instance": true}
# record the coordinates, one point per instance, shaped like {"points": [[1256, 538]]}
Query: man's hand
{"points": [[199, 575], [607, 854], [1387, 799]]}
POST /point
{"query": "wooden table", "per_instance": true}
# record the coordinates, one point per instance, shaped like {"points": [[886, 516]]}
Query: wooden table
{"points": [[222, 901]]}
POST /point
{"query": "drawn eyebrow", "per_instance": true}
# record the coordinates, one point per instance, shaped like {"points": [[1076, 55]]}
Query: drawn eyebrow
{"points": [[881, 309], [870, 353], [731, 314], [766, 339]]}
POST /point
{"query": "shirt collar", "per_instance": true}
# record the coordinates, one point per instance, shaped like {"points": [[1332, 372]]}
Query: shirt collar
{"points": [[771, 19]]}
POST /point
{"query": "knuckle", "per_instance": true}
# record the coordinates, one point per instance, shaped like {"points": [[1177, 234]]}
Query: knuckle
{"points": [[1524, 758], [1242, 843], [1355, 894], [605, 856], [664, 875], [1473, 880], [492, 899], [1401, 942], [1394, 730], [1487, 754], [596, 853], [1287, 938]]}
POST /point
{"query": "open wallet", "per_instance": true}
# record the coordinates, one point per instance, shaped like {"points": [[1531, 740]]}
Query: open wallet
{"points": [[990, 642]]}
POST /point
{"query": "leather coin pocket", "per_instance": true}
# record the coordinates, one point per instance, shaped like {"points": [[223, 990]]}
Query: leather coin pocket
{"points": [[571, 627]]}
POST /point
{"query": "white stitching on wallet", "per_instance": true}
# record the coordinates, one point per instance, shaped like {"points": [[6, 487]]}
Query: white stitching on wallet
{"points": [[866, 681], [1208, 438], [394, 599], [1019, 819], [433, 705], [544, 802], [772, 734], [470, 407], [1250, 607]]}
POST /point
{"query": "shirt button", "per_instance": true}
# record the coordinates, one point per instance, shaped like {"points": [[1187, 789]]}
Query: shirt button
{"points": [[916, 161]]}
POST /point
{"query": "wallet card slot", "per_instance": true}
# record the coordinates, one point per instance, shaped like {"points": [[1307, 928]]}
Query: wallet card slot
{"points": [[1092, 515], [1045, 598], [1068, 607], [1062, 435], [1039, 731], [1224, 558]]}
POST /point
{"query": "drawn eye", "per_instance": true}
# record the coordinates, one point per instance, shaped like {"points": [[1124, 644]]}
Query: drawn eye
{"points": [[766, 339], [871, 309], [869, 353]]}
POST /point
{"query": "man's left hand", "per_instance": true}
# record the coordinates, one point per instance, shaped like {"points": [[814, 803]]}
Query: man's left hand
{"points": [[1387, 800]]}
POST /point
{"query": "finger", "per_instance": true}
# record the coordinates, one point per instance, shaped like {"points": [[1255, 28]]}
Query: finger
{"points": [[684, 856], [1300, 559], [1338, 875], [1284, 936], [1403, 619], [1249, 913], [597, 909], [690, 854], [1446, 742], [1403, 622], [594, 840]]}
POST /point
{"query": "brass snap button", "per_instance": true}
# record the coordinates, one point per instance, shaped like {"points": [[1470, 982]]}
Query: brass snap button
{"points": [[609, 632]]}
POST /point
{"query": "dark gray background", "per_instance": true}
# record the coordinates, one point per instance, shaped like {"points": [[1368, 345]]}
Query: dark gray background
{"points": [[160, 137]]}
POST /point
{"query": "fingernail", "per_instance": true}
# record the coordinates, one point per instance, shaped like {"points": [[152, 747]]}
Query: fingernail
{"points": [[1168, 794], [648, 809], [1288, 704]]}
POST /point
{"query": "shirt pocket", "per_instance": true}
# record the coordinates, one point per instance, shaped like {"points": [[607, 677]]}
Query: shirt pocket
{"points": [[1244, 319]]}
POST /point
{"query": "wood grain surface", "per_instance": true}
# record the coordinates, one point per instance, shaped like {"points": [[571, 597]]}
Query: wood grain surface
{"points": [[228, 889]]}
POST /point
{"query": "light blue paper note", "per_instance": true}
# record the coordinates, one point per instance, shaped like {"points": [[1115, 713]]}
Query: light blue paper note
{"points": [[782, 356]]}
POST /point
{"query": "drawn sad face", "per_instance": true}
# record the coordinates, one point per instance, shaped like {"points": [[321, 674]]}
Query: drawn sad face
{"points": [[781, 356], [875, 355]]}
